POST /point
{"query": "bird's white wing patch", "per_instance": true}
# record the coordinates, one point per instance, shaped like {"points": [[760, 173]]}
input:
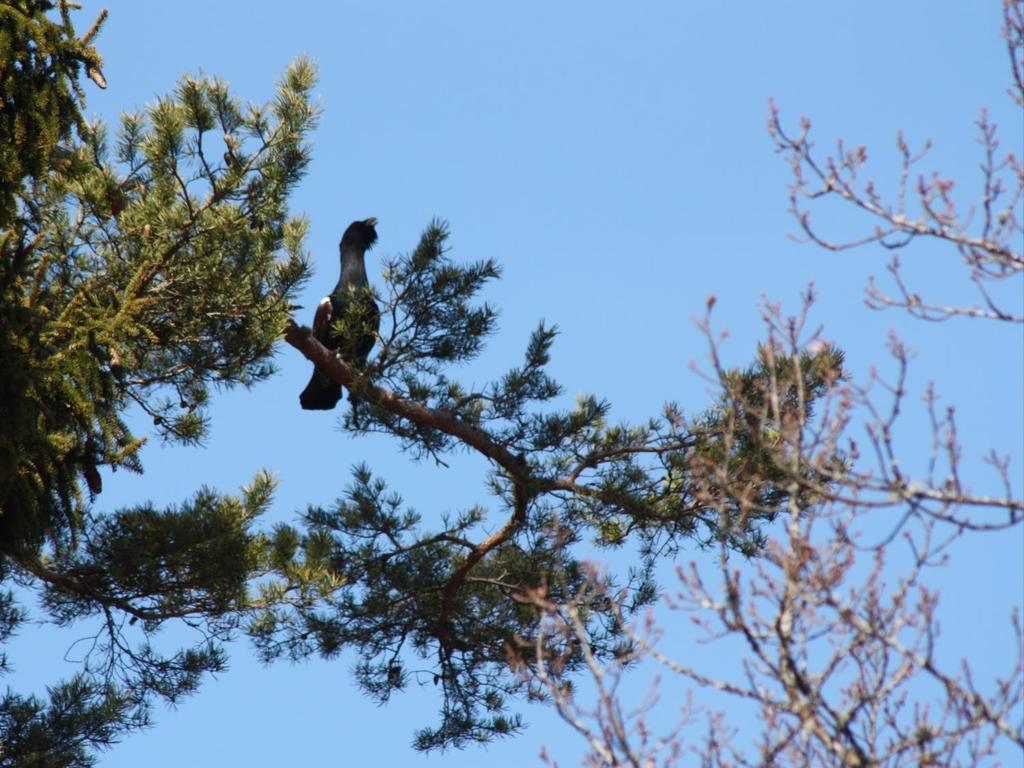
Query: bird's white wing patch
{"points": [[322, 319]]}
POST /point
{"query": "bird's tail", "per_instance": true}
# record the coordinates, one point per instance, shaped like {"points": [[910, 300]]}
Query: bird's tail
{"points": [[321, 394]]}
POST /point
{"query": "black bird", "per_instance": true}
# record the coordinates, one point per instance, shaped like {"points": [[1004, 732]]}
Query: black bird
{"points": [[352, 302]]}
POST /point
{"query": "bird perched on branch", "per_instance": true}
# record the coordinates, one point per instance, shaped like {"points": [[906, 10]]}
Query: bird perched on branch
{"points": [[347, 320]]}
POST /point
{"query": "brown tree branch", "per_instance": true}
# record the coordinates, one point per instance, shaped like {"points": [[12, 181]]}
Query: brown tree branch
{"points": [[300, 337]]}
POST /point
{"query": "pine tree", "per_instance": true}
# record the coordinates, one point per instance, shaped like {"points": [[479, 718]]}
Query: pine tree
{"points": [[136, 271], [139, 271], [373, 577]]}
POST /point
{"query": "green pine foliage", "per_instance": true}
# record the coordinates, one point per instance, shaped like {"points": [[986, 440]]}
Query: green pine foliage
{"points": [[79, 717], [142, 266], [371, 575], [139, 267], [99, 276]]}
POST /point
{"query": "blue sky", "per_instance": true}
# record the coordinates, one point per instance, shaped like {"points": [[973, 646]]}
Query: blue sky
{"points": [[613, 158]]}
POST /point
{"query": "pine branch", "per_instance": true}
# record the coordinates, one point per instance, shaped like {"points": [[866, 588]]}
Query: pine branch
{"points": [[300, 337]]}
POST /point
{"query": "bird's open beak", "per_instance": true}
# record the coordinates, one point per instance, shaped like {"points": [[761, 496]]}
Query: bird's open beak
{"points": [[372, 221]]}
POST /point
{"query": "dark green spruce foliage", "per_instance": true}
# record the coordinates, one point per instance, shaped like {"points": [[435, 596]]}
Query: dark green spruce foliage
{"points": [[434, 602], [40, 61], [137, 269]]}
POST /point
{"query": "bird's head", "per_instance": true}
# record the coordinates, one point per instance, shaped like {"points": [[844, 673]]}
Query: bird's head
{"points": [[360, 235]]}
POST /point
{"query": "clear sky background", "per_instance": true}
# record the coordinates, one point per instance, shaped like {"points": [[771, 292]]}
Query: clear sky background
{"points": [[613, 158]]}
